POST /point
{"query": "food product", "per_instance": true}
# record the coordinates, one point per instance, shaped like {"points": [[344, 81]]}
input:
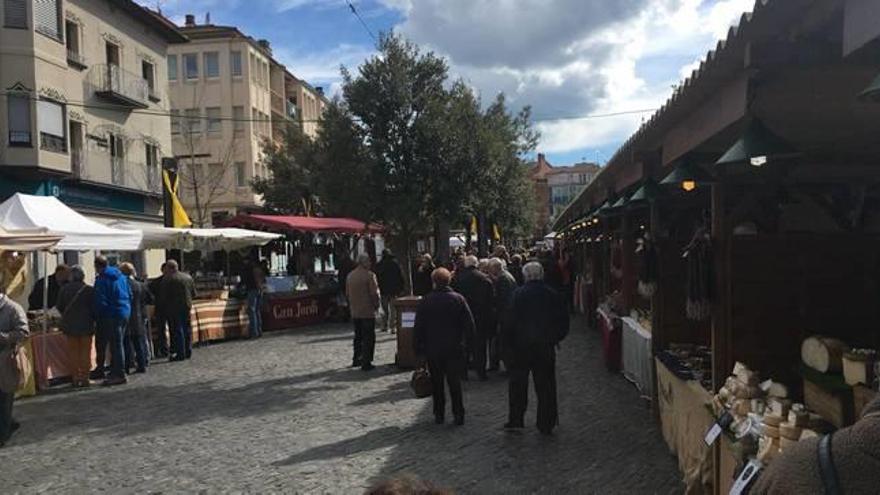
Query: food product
{"points": [[858, 366], [808, 434], [823, 354], [768, 449], [800, 419], [771, 431], [744, 374], [780, 407], [774, 389], [790, 431], [773, 419]]}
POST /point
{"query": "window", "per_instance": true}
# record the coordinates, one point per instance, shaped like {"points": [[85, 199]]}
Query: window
{"points": [[172, 67], [255, 115], [253, 68], [240, 176], [191, 65], [151, 161], [212, 64], [235, 63], [193, 120], [19, 119], [175, 121], [50, 121], [74, 55], [15, 14], [111, 52], [265, 74], [47, 18], [238, 118], [215, 174], [215, 125], [117, 159], [147, 72]]}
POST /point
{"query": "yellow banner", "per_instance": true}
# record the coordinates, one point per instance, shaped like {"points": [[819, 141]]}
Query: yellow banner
{"points": [[179, 218]]}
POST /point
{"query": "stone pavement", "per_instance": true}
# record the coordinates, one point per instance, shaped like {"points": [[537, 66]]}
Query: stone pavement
{"points": [[284, 414]]}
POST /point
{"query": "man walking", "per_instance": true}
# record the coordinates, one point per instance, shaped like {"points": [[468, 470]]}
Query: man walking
{"points": [[362, 290], [113, 309], [505, 285], [177, 291], [390, 284], [477, 290], [537, 322], [443, 327], [255, 282]]}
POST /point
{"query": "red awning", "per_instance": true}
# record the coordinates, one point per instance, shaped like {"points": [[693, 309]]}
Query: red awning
{"points": [[284, 223]]}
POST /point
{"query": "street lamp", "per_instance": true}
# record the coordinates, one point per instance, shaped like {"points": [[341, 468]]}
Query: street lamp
{"points": [[686, 176], [756, 146]]}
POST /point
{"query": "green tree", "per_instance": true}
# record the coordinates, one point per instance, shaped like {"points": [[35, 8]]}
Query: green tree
{"points": [[290, 187]]}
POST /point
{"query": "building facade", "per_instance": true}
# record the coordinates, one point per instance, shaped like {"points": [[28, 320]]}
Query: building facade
{"points": [[84, 111], [555, 188], [228, 96]]}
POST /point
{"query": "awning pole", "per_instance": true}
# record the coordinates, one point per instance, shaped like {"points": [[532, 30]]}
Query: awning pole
{"points": [[45, 291]]}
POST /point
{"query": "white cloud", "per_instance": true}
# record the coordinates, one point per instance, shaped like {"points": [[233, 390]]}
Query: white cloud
{"points": [[572, 57], [323, 67]]}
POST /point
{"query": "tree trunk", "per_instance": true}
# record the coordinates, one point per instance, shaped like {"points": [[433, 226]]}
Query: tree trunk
{"points": [[441, 241], [482, 236]]}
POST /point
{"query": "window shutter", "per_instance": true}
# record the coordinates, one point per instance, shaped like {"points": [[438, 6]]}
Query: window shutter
{"points": [[15, 13], [50, 118], [19, 119], [46, 18]]}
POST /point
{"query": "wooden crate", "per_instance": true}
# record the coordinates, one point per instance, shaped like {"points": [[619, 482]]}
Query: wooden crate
{"points": [[862, 395], [835, 405]]}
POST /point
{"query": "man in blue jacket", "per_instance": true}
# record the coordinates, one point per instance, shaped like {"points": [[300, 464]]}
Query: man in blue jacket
{"points": [[113, 309]]}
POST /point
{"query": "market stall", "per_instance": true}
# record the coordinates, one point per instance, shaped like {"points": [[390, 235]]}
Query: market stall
{"points": [[302, 293]]}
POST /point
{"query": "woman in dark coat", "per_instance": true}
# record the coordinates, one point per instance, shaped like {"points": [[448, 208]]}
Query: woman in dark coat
{"points": [[444, 326], [138, 325], [76, 302]]}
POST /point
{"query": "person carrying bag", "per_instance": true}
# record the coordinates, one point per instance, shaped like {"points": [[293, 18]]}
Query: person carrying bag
{"points": [[14, 364]]}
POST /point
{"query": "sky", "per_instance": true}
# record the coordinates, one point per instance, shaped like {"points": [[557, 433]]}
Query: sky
{"points": [[572, 61]]}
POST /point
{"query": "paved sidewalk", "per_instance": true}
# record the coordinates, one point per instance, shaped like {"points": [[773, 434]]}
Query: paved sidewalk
{"points": [[284, 414]]}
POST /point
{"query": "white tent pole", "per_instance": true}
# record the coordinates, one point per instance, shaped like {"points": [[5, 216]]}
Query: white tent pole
{"points": [[45, 290]]}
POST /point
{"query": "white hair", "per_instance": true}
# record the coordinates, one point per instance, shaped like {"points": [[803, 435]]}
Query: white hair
{"points": [[364, 260], [497, 265], [471, 261], [533, 271]]}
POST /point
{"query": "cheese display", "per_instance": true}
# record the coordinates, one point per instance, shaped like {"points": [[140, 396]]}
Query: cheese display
{"points": [[823, 354], [859, 366]]}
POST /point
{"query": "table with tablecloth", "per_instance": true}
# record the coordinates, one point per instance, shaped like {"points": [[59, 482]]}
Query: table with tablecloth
{"points": [[637, 355], [218, 319], [49, 356], [609, 325], [685, 420]]}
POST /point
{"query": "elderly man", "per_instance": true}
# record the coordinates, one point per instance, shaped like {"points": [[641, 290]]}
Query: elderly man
{"points": [[443, 327], [477, 290], [176, 293], [505, 285], [362, 290], [537, 322]]}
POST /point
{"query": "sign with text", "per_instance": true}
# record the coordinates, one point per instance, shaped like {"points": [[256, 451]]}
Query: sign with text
{"points": [[288, 311]]}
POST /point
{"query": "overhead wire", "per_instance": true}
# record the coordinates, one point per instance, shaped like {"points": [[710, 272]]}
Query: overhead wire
{"points": [[363, 22]]}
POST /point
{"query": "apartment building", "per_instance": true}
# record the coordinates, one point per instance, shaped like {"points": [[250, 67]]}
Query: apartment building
{"points": [[555, 188], [84, 108], [228, 96]]}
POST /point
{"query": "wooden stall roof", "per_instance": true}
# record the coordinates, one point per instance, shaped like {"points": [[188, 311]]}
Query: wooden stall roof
{"points": [[291, 223], [755, 40]]}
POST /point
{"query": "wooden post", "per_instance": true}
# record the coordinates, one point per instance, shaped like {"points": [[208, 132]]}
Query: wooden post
{"points": [[658, 339], [722, 349], [627, 263]]}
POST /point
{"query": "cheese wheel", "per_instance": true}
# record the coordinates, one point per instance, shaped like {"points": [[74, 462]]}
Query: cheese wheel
{"points": [[772, 420], [790, 431], [808, 434], [823, 354], [799, 419]]}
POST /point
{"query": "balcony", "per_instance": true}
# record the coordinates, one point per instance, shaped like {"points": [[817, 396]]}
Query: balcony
{"points": [[119, 86], [291, 110]]}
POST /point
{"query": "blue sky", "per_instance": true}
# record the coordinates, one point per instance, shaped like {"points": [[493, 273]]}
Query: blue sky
{"points": [[565, 58]]}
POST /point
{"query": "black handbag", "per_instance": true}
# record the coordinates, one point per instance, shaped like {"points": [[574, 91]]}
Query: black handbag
{"points": [[421, 383]]}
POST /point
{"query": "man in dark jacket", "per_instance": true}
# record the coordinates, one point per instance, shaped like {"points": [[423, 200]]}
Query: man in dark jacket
{"points": [[477, 290], [422, 283], [505, 285], [112, 309], [390, 283], [443, 327], [56, 280], [159, 317], [176, 293], [138, 324], [537, 322]]}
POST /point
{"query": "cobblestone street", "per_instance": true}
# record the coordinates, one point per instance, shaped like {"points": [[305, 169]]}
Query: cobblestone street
{"points": [[284, 414]]}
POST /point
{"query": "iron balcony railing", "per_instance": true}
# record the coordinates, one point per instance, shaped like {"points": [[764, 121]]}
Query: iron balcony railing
{"points": [[113, 82]]}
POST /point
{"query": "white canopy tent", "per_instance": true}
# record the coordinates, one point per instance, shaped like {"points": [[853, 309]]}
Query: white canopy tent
{"points": [[26, 212], [190, 239], [26, 240]]}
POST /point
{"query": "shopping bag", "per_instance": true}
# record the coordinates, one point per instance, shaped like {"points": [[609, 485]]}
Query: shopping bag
{"points": [[421, 383], [15, 367]]}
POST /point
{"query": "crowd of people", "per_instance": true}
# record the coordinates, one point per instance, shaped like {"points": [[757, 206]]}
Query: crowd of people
{"points": [[474, 315]]}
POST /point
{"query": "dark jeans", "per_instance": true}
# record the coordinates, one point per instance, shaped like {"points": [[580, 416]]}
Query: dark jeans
{"points": [[255, 315], [113, 330], [101, 341], [6, 414], [540, 361], [364, 340], [181, 334], [161, 342], [448, 370], [128, 346], [141, 351]]}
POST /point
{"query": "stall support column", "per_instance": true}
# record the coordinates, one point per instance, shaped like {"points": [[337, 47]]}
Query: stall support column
{"points": [[658, 342], [628, 279], [721, 334]]}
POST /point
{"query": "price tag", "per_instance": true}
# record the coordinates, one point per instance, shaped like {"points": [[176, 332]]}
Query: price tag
{"points": [[717, 428], [746, 477]]}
